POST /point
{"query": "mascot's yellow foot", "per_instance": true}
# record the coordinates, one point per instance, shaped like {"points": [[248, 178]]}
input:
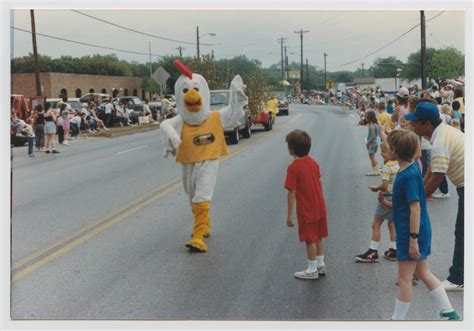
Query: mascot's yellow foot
{"points": [[197, 244], [201, 226]]}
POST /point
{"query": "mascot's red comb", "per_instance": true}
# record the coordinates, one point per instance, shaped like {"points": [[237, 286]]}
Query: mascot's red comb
{"points": [[183, 69]]}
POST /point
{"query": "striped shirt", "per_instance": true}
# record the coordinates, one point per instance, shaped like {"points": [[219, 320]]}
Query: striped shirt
{"points": [[389, 172], [447, 153]]}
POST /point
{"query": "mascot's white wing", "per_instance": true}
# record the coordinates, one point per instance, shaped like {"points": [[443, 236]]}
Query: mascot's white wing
{"points": [[231, 115], [172, 134]]}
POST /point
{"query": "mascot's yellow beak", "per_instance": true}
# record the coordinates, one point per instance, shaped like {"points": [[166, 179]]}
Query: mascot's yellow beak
{"points": [[192, 101]]}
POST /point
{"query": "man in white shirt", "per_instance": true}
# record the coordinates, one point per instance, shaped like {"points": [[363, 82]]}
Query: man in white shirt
{"points": [[108, 113]]}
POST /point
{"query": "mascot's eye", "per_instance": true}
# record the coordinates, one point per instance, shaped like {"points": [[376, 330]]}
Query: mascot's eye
{"points": [[185, 90], [196, 89]]}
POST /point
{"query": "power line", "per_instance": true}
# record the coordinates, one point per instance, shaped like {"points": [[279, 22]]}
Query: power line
{"points": [[137, 31], [388, 44], [86, 44]]}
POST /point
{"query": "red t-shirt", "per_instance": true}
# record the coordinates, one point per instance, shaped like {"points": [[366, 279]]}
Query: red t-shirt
{"points": [[304, 177]]}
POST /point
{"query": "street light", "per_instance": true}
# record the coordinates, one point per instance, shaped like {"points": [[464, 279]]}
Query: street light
{"points": [[198, 36]]}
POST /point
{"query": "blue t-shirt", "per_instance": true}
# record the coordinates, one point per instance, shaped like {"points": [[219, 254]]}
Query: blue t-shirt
{"points": [[390, 108], [408, 187]]}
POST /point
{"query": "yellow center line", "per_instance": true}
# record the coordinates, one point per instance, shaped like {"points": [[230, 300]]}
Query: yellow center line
{"points": [[81, 236]]}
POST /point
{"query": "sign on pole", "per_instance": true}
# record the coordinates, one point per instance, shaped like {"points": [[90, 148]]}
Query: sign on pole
{"points": [[329, 84], [294, 74], [160, 75]]}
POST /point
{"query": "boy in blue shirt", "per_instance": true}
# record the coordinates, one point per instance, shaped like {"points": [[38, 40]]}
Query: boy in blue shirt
{"points": [[413, 229]]}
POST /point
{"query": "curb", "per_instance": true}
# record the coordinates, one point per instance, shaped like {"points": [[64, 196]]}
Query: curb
{"points": [[123, 133]]}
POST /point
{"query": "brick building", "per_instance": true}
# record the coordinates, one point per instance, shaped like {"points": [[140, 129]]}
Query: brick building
{"points": [[76, 85]]}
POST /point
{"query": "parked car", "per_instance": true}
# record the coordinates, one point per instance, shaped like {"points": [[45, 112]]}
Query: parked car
{"points": [[135, 102], [220, 99], [283, 107], [93, 96], [75, 104]]}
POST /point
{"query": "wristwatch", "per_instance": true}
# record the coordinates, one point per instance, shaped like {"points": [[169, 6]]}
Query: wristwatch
{"points": [[414, 235]]}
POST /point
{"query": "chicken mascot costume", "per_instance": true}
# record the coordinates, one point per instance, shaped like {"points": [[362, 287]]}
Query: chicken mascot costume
{"points": [[196, 138]]}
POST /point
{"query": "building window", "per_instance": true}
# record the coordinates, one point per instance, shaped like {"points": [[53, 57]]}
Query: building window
{"points": [[63, 93], [104, 90], [91, 90], [135, 92], [125, 92], [78, 93], [114, 93], [143, 94]]}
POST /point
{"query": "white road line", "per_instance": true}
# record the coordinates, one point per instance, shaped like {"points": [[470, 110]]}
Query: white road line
{"points": [[129, 150]]}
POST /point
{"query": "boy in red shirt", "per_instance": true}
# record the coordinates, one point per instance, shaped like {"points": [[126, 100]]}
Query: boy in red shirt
{"points": [[304, 185]]}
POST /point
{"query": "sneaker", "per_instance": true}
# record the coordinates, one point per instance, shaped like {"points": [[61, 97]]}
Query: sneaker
{"points": [[448, 286], [391, 254], [48, 151], [450, 316], [65, 143], [372, 173], [55, 151], [440, 195], [307, 274], [368, 257], [31, 155], [121, 124], [322, 270]]}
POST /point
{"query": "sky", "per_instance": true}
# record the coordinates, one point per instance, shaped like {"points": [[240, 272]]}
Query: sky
{"points": [[346, 36]]}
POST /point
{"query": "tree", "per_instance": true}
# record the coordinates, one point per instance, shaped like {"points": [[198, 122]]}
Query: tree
{"points": [[445, 64], [386, 67], [412, 69]]}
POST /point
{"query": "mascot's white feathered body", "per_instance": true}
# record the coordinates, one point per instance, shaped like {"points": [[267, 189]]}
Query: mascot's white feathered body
{"points": [[196, 137]]}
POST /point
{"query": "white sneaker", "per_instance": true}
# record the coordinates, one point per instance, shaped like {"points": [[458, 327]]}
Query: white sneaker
{"points": [[65, 143], [307, 274], [448, 286], [439, 195], [322, 270]]}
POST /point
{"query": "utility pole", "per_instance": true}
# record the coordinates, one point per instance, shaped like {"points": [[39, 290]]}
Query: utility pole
{"points": [[197, 37], [301, 32], [281, 41], [35, 54], [151, 72], [180, 51], [325, 72], [362, 69], [307, 71], [286, 64], [423, 49]]}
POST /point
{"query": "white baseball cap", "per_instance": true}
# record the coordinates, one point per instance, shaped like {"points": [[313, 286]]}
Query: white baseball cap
{"points": [[403, 92]]}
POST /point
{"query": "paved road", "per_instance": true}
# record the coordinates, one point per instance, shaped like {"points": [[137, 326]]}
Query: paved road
{"points": [[99, 233]]}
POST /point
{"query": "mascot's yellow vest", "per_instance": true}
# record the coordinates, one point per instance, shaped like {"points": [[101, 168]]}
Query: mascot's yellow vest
{"points": [[202, 142]]}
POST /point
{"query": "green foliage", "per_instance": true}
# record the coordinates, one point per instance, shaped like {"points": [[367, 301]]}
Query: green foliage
{"points": [[412, 69], [341, 76], [446, 63], [385, 67]]}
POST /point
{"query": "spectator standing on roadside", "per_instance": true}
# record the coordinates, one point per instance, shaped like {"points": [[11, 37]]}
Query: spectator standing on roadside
{"points": [[402, 105], [59, 123], [50, 129], [372, 141], [31, 135], [108, 112], [435, 92], [38, 125], [447, 159], [459, 97]]}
